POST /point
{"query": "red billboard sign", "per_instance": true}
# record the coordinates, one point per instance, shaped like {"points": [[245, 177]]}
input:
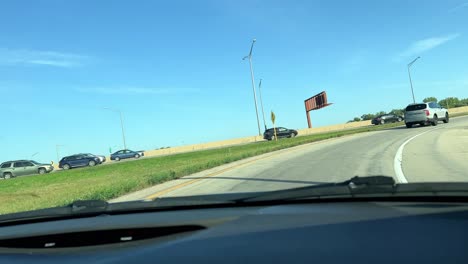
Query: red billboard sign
{"points": [[315, 102]]}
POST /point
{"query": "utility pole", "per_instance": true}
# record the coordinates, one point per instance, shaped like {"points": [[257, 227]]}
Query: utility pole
{"points": [[121, 123], [409, 74], [261, 102], [253, 83]]}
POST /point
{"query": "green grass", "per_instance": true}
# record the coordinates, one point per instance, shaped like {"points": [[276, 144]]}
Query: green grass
{"points": [[111, 181]]}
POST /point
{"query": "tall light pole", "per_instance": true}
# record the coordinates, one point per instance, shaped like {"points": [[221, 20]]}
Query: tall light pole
{"points": [[253, 83], [261, 102], [57, 150], [121, 124], [409, 74]]}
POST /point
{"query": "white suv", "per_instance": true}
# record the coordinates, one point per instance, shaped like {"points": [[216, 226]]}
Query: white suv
{"points": [[425, 113]]}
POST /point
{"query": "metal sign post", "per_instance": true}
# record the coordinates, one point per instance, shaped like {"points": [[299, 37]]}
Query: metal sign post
{"points": [[314, 103], [273, 119]]}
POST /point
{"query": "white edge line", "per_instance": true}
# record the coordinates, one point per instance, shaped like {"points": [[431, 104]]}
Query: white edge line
{"points": [[398, 160]]}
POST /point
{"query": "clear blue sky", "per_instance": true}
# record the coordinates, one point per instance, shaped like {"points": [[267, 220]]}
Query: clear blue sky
{"points": [[175, 68]]}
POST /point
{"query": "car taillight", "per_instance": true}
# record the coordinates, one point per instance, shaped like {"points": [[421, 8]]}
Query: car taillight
{"points": [[427, 112]]}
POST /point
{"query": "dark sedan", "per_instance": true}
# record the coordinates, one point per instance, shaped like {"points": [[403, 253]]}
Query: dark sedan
{"points": [[388, 118], [78, 160], [126, 154], [281, 132]]}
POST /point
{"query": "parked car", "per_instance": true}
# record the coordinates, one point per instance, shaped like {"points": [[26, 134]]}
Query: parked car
{"points": [[102, 158], [78, 160], [281, 132], [16, 168], [387, 118], [425, 113], [125, 154]]}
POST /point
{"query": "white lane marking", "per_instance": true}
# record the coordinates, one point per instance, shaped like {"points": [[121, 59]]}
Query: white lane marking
{"points": [[397, 161]]}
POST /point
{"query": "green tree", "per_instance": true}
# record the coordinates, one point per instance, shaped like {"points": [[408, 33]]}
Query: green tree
{"points": [[450, 102], [398, 112], [430, 99], [367, 116], [356, 119], [380, 113], [464, 102]]}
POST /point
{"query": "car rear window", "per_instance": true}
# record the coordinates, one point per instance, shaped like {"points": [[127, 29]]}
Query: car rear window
{"points": [[416, 107]]}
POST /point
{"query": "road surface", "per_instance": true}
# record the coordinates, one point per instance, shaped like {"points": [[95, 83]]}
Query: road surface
{"points": [[430, 153]]}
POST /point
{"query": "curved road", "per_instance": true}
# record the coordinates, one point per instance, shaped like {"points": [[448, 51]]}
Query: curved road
{"points": [[431, 153]]}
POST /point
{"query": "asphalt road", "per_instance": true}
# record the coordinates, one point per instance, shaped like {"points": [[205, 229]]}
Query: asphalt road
{"points": [[430, 153]]}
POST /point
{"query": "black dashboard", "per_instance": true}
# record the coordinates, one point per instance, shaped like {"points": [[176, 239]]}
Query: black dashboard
{"points": [[356, 232]]}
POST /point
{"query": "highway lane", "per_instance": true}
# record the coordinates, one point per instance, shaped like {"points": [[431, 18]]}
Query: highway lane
{"points": [[437, 153]]}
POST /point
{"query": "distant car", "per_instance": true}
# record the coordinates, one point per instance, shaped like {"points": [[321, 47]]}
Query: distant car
{"points": [[16, 168], [425, 113], [125, 154], [102, 158], [281, 132], [78, 160], [387, 118]]}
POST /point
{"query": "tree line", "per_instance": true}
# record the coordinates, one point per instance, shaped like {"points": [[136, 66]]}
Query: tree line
{"points": [[449, 102]]}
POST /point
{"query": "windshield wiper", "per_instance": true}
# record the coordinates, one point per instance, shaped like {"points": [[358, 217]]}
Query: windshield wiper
{"points": [[354, 186], [366, 187], [79, 207], [89, 208]]}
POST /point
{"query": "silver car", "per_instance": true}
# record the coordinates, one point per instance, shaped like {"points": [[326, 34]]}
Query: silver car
{"points": [[101, 158], [16, 168], [425, 113]]}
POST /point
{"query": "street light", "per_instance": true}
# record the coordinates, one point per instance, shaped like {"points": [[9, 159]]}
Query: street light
{"points": [[261, 102], [253, 83], [57, 150], [121, 123], [409, 74]]}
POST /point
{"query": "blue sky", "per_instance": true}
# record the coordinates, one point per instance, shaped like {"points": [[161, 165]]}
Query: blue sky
{"points": [[175, 69]]}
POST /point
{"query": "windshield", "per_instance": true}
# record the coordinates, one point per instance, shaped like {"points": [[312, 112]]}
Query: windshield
{"points": [[227, 97]]}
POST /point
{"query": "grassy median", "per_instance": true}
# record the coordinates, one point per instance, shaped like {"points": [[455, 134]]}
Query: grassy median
{"points": [[111, 181]]}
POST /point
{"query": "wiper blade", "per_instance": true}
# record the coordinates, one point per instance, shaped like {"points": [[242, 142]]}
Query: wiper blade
{"points": [[86, 208], [79, 207], [354, 186], [372, 186], [365, 187]]}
